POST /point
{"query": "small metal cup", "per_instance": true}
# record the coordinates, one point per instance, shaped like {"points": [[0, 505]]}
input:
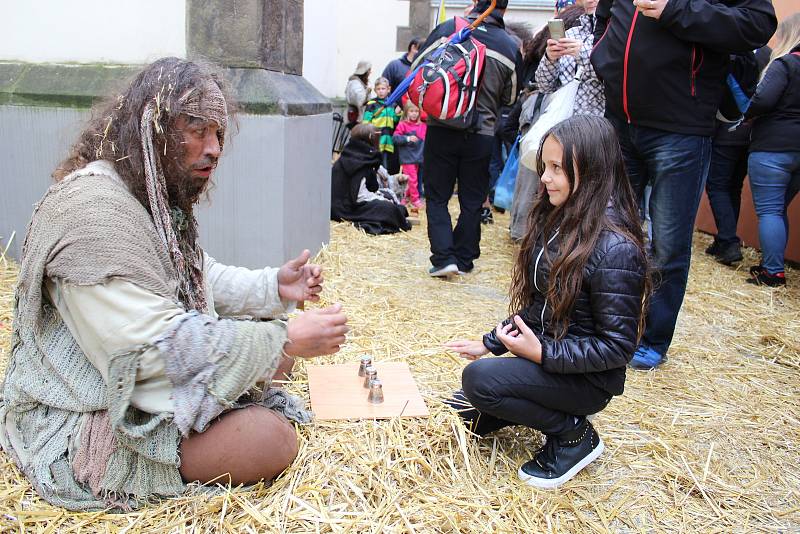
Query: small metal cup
{"points": [[366, 361], [370, 374], [375, 392]]}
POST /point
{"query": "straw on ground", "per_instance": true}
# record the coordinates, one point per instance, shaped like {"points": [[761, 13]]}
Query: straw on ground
{"points": [[708, 443]]}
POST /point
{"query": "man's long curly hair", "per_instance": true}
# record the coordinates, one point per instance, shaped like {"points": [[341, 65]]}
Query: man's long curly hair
{"points": [[113, 133], [136, 130]]}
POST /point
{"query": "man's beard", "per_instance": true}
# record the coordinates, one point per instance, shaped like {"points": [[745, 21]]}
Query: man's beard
{"points": [[183, 187]]}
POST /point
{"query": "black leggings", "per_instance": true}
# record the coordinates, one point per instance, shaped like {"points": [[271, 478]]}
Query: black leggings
{"points": [[516, 391]]}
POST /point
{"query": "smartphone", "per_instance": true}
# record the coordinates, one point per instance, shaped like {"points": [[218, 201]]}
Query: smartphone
{"points": [[556, 27]]}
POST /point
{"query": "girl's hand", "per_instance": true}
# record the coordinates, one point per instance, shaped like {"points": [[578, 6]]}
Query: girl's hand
{"points": [[521, 341], [468, 348]]}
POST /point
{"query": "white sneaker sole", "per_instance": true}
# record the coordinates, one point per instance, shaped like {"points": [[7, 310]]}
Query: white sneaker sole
{"points": [[550, 483], [447, 270]]}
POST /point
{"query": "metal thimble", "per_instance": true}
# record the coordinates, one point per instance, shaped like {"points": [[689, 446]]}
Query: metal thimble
{"points": [[370, 374], [375, 392], [366, 361]]}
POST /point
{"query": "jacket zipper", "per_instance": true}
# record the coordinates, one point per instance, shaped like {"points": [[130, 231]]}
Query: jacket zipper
{"points": [[625, 68], [535, 276], [694, 70]]}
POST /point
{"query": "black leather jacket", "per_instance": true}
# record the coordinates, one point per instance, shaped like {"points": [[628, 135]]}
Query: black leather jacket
{"points": [[601, 337]]}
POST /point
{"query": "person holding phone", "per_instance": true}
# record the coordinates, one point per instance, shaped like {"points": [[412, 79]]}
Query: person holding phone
{"points": [[567, 57]]}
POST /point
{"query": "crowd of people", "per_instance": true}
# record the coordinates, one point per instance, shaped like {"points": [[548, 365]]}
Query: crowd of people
{"points": [[140, 364], [715, 106]]}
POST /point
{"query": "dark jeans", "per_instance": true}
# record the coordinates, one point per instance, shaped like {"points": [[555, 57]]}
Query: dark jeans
{"points": [[676, 166], [452, 156], [774, 180], [724, 188], [516, 391], [498, 160]]}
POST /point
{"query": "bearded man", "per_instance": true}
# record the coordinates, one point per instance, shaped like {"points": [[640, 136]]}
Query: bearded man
{"points": [[135, 355]]}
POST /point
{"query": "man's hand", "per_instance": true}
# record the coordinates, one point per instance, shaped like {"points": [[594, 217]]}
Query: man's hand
{"points": [[298, 280], [316, 332], [521, 341], [651, 8], [468, 348], [562, 47]]}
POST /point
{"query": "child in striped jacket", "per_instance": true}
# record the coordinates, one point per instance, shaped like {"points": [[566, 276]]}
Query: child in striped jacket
{"points": [[382, 117]]}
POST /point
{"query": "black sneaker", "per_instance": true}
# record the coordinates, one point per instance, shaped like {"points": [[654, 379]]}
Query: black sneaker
{"points": [[713, 248], [729, 254], [761, 277], [562, 457], [486, 216]]}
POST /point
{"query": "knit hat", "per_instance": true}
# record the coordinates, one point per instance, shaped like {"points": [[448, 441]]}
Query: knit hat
{"points": [[562, 4], [363, 67]]}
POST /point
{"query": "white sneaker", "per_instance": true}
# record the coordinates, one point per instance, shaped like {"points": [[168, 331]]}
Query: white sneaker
{"points": [[445, 271]]}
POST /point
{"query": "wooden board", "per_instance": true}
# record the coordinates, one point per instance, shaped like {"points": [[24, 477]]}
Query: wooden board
{"points": [[337, 392]]}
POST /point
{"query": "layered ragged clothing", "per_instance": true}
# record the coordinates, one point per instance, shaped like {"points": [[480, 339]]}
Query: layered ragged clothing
{"points": [[108, 371], [384, 118]]}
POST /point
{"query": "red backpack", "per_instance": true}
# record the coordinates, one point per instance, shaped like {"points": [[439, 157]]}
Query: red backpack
{"points": [[446, 85]]}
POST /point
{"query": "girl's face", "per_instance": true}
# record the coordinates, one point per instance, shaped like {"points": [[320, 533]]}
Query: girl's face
{"points": [[413, 114], [382, 90], [554, 179]]}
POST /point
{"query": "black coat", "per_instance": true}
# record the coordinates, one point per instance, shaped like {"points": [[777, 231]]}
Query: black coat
{"points": [[669, 73], [603, 327], [776, 106], [360, 160]]}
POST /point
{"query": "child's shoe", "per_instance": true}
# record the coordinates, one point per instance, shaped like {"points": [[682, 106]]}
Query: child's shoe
{"points": [[761, 277], [646, 358], [486, 216], [562, 457]]}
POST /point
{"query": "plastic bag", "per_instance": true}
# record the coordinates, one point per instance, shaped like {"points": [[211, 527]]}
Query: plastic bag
{"points": [[560, 107], [504, 189]]}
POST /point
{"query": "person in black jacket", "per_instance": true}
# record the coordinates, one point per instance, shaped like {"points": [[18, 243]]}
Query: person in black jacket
{"points": [[729, 157], [663, 64], [354, 183], [397, 69], [461, 153], [774, 162], [579, 287]]}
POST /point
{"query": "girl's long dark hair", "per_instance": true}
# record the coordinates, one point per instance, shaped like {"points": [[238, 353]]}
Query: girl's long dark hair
{"points": [[592, 157]]}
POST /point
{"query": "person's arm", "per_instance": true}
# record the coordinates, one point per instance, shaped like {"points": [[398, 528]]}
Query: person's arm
{"points": [[400, 137], [733, 26], [187, 363], [769, 90], [239, 291], [369, 111], [547, 75], [615, 296]]}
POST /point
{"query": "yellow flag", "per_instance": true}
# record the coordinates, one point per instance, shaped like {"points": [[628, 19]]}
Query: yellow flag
{"points": [[441, 16]]}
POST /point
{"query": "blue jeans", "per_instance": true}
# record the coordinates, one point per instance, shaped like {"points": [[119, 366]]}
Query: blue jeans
{"points": [[724, 188], [774, 180], [676, 167]]}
